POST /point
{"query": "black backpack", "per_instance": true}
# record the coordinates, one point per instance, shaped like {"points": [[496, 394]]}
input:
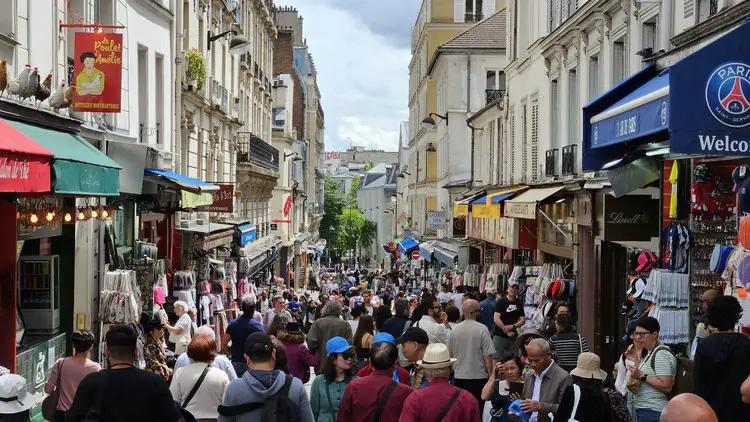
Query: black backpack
{"points": [[278, 409]]}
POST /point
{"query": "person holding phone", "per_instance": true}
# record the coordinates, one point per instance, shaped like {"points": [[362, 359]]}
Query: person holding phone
{"points": [[504, 386]]}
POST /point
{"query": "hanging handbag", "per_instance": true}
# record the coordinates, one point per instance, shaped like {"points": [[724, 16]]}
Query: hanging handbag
{"points": [[49, 404]]}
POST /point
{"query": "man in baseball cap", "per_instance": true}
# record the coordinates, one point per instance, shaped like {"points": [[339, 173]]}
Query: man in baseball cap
{"points": [[414, 343]]}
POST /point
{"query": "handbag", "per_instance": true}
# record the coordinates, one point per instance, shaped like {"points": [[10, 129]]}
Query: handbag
{"points": [[49, 404], [576, 399]]}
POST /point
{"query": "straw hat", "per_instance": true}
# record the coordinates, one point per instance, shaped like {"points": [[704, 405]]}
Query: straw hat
{"points": [[589, 366], [436, 356], [530, 333], [13, 395]]}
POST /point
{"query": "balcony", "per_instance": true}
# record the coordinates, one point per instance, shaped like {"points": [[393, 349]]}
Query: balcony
{"points": [[472, 17], [253, 150], [550, 160], [569, 160], [493, 95]]}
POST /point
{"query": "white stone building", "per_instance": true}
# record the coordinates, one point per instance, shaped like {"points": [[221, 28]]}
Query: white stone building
{"points": [[376, 200]]}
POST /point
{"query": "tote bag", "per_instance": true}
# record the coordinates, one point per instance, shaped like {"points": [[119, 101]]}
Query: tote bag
{"points": [[49, 404]]}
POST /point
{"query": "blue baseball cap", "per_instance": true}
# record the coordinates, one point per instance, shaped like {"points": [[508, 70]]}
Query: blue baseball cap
{"points": [[337, 345], [384, 337], [293, 305]]}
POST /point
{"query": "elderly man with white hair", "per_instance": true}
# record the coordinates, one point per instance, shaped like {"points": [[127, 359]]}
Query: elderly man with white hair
{"points": [[180, 333], [222, 362], [543, 387]]}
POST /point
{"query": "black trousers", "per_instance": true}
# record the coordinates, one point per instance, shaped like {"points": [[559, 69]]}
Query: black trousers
{"points": [[59, 416], [474, 387]]}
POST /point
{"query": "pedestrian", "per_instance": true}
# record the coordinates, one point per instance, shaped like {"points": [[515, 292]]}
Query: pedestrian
{"points": [[618, 403], [400, 374], [154, 352], [382, 313], [395, 325], [544, 385], [328, 326], [414, 343], [264, 390], [323, 300], [504, 386], [263, 302], [445, 295], [180, 333], [508, 318], [356, 313], [471, 345], [439, 401], [282, 363], [15, 403], [299, 357], [432, 320], [199, 387], [654, 374], [363, 339], [688, 407], [278, 309], [550, 323], [68, 372], [585, 400], [123, 392], [238, 331], [745, 390], [312, 306], [220, 361], [488, 305], [377, 397], [452, 317], [721, 361], [328, 387], [458, 298], [566, 344], [523, 341]]}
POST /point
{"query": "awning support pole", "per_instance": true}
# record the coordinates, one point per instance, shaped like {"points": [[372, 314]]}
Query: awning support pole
{"points": [[555, 225]]}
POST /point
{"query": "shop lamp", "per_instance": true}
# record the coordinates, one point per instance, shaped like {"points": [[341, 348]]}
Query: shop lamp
{"points": [[94, 212], [68, 217], [659, 151], [33, 218], [50, 215], [612, 163], [104, 213], [83, 214]]}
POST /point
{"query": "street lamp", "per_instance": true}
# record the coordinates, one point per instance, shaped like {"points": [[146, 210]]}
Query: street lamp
{"points": [[330, 229], [430, 121], [404, 172], [296, 158], [237, 45]]}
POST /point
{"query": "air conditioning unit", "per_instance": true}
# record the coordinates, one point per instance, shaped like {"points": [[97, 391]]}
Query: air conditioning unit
{"points": [[166, 160]]}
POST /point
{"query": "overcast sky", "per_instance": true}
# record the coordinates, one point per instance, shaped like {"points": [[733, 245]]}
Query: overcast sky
{"points": [[361, 51]]}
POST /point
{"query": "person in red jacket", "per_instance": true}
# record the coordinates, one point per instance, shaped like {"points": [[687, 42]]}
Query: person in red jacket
{"points": [[400, 374]]}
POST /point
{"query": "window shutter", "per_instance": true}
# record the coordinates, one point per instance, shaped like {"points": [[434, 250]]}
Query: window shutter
{"points": [[489, 8], [512, 129], [689, 8], [459, 10], [572, 107], [524, 144], [535, 140], [549, 15]]}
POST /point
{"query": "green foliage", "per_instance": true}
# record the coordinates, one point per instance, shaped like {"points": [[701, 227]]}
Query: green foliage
{"points": [[368, 233], [334, 203], [356, 184], [369, 165], [196, 69]]}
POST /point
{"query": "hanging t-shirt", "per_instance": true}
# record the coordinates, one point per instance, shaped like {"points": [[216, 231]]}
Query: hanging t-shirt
{"points": [[741, 178]]}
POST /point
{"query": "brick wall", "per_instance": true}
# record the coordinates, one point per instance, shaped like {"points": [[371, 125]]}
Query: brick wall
{"points": [[283, 63]]}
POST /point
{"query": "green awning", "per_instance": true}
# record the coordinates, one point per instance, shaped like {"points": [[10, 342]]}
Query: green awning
{"points": [[78, 167]]}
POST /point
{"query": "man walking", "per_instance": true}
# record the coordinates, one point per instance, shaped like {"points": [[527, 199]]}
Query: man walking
{"points": [[414, 344], [544, 385], [471, 345], [508, 318], [237, 333], [328, 326], [439, 401], [278, 309], [377, 397], [432, 321]]}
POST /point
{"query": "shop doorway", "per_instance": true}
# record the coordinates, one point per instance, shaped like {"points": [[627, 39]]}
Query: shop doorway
{"points": [[614, 269]]}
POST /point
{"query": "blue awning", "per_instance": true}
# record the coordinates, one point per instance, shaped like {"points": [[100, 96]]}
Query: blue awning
{"points": [[248, 233], [641, 113], [406, 245], [449, 258], [500, 198], [481, 200], [179, 181]]}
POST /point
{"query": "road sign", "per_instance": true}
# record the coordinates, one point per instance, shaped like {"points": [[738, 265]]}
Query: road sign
{"points": [[415, 255]]}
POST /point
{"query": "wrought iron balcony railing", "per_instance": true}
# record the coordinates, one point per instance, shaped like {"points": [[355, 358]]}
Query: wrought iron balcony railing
{"points": [[569, 159], [550, 163], [253, 150], [493, 95]]}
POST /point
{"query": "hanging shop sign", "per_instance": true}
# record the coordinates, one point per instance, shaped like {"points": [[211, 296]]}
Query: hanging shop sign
{"points": [[437, 220], [287, 205], [98, 72], [631, 218], [195, 200], [459, 226], [223, 200], [24, 173], [520, 209], [274, 227]]}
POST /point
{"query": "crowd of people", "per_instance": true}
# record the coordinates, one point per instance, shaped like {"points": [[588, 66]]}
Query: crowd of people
{"points": [[382, 350]]}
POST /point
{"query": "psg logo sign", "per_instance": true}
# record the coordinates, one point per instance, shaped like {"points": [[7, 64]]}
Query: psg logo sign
{"points": [[728, 94]]}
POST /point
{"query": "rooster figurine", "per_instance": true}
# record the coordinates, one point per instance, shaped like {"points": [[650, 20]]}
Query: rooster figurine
{"points": [[57, 99], [3, 77], [44, 90], [19, 84], [31, 87]]}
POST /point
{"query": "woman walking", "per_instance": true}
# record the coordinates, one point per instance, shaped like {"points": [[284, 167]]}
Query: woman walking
{"points": [[567, 345], [328, 387], [299, 358], [154, 352], [585, 400], [201, 398], [363, 339], [68, 372]]}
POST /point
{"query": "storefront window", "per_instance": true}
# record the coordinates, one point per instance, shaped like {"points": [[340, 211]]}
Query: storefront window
{"points": [[124, 227], [562, 235]]}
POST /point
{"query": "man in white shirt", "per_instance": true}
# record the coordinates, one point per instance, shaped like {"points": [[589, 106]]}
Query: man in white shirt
{"points": [[431, 321], [263, 302], [543, 399], [446, 294], [278, 309]]}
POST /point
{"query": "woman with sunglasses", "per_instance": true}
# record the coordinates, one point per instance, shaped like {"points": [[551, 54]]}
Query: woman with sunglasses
{"points": [[328, 387]]}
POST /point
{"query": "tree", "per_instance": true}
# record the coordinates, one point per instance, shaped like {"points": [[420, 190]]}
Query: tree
{"points": [[369, 165], [354, 190], [334, 202], [368, 233], [349, 229]]}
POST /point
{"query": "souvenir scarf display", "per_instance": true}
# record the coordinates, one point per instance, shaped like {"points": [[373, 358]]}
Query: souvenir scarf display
{"points": [[495, 277], [119, 299], [146, 250], [183, 287], [471, 276], [669, 292], [230, 266], [545, 286]]}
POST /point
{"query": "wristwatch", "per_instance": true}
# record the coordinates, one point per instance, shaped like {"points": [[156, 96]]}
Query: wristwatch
{"points": [[643, 378]]}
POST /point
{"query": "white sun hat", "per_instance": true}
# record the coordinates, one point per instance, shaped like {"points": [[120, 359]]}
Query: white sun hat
{"points": [[14, 398]]}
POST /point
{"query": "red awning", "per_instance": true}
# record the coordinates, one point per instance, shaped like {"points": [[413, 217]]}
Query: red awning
{"points": [[24, 164]]}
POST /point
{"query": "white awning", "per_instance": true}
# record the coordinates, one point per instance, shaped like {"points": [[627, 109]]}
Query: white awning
{"points": [[524, 205]]}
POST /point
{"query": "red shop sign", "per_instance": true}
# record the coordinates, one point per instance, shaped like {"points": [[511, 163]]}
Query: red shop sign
{"points": [[24, 173], [287, 205], [223, 200], [98, 72]]}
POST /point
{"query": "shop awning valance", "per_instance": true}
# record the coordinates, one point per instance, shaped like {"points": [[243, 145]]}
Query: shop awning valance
{"points": [[178, 181], [24, 164], [524, 205], [449, 258], [78, 168], [406, 245], [488, 206]]}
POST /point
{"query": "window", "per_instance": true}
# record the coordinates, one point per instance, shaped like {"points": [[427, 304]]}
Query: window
{"points": [[143, 96], [473, 11], [593, 77], [524, 143], [512, 130], [535, 140], [649, 35], [554, 115], [159, 84], [572, 106], [618, 61], [496, 79]]}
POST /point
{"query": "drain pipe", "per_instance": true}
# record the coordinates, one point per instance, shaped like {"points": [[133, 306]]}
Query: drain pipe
{"points": [[665, 26], [468, 110]]}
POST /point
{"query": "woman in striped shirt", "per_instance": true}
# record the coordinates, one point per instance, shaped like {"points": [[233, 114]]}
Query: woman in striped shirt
{"points": [[567, 345]]}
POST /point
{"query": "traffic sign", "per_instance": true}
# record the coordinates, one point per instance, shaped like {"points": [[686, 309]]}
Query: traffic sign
{"points": [[415, 255]]}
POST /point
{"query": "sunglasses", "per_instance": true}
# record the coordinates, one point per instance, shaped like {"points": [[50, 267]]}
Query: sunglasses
{"points": [[641, 333], [348, 355]]}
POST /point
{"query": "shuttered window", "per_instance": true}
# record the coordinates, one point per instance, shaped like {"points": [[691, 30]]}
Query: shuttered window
{"points": [[689, 8], [512, 130], [535, 140], [554, 115], [593, 77], [524, 143], [618, 61], [573, 107]]}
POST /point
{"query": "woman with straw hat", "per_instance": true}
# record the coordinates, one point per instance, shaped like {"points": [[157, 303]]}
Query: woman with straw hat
{"points": [[585, 400]]}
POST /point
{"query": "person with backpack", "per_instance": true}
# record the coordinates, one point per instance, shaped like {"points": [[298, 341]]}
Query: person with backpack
{"points": [[655, 373], [264, 393], [721, 361]]}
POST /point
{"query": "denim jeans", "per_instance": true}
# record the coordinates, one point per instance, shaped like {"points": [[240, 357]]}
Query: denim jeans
{"points": [[648, 415]]}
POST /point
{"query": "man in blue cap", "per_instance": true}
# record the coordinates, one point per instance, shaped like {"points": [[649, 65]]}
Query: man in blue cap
{"points": [[399, 374], [377, 397]]}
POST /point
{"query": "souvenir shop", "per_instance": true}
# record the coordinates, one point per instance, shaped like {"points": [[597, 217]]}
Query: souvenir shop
{"points": [[697, 155]]}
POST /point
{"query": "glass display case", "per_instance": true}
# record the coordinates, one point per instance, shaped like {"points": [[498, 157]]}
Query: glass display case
{"points": [[38, 293]]}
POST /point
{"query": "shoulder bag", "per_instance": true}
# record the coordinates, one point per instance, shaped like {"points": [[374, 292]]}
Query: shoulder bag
{"points": [[447, 407], [383, 400], [196, 387], [576, 399], [49, 404]]}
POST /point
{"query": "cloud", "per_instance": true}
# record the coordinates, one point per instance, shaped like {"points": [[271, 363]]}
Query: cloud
{"points": [[363, 73], [391, 19]]}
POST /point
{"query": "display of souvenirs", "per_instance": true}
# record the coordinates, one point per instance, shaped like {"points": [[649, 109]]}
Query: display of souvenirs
{"points": [[119, 300]]}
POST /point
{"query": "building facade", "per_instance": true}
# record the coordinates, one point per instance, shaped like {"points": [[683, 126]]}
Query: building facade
{"points": [[376, 199]]}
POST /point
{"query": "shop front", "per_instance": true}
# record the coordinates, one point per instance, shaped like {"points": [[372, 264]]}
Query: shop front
{"points": [[684, 131]]}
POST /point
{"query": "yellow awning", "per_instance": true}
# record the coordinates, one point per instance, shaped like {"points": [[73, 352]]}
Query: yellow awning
{"points": [[490, 210], [461, 208]]}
